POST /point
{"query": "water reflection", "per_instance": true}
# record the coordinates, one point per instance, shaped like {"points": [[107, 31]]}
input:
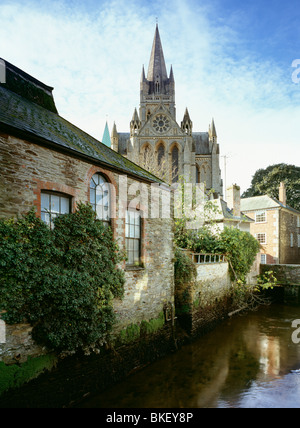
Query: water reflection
{"points": [[247, 361]]}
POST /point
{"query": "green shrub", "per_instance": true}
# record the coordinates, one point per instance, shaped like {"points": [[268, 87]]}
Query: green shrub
{"points": [[61, 281], [240, 249]]}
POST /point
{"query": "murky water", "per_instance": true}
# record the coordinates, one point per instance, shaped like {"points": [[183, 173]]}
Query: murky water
{"points": [[249, 361]]}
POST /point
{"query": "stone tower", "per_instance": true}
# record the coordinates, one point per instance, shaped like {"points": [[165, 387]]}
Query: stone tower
{"points": [[154, 131]]}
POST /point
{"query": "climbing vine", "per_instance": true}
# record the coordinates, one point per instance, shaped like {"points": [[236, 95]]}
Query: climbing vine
{"points": [[61, 281]]}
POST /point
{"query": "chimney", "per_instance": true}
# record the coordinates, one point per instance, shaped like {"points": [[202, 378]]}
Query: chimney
{"points": [[233, 199], [282, 193]]}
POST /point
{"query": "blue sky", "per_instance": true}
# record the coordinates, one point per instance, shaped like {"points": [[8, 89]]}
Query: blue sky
{"points": [[232, 60]]}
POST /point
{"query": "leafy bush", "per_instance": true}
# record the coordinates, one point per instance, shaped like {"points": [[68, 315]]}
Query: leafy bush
{"points": [[184, 267], [240, 249], [61, 281]]}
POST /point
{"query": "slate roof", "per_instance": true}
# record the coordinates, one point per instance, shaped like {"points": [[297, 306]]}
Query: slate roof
{"points": [[227, 214], [263, 202], [28, 120], [201, 143]]}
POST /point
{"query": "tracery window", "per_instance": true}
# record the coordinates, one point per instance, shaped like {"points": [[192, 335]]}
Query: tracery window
{"points": [[175, 164], [160, 154], [100, 197], [197, 174]]}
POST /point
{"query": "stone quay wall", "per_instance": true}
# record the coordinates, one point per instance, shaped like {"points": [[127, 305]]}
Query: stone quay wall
{"points": [[203, 303]]}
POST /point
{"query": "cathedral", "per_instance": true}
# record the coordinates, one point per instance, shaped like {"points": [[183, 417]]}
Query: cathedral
{"points": [[158, 143]]}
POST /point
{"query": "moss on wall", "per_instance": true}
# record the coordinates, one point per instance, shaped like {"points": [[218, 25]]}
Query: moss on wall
{"points": [[15, 375], [135, 331]]}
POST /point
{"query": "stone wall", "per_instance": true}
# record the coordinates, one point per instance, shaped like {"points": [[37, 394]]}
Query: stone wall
{"points": [[288, 278], [288, 247], [76, 376], [285, 274], [204, 302]]}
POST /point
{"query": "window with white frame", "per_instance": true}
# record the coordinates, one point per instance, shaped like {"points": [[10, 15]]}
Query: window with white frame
{"points": [[263, 259], [260, 217], [100, 197], [133, 234], [298, 221], [298, 240], [262, 238], [54, 204], [292, 240]]}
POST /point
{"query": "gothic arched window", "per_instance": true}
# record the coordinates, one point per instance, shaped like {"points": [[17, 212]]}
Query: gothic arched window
{"points": [[146, 154], [175, 164], [197, 174], [160, 154], [100, 197]]}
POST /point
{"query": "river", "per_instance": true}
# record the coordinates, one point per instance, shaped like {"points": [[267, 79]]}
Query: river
{"points": [[249, 361]]}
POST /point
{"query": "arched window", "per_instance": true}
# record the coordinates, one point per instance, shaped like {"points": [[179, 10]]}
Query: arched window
{"points": [[197, 174], [160, 154], [175, 164], [100, 197], [147, 152]]}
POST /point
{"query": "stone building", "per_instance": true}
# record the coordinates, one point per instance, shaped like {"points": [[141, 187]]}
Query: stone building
{"points": [[276, 226], [228, 213], [50, 164], [154, 131]]}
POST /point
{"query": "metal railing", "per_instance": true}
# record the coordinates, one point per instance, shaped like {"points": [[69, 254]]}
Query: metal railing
{"points": [[201, 258]]}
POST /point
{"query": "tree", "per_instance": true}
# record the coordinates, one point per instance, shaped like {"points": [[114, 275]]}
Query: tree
{"points": [[267, 182]]}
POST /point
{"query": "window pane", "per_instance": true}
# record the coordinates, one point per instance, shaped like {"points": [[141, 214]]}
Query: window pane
{"points": [[99, 211], [92, 196], [64, 205], [54, 200], [131, 231], [99, 195], [130, 258], [137, 232], [95, 180], [137, 246], [45, 217], [44, 201]]}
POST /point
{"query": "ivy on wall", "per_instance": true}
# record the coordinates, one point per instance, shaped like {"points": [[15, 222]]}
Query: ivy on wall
{"points": [[62, 281]]}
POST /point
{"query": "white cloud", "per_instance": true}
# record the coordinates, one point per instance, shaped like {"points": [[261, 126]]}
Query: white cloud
{"points": [[93, 56]]}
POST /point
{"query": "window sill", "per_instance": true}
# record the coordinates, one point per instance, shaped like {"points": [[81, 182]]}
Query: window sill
{"points": [[133, 268]]}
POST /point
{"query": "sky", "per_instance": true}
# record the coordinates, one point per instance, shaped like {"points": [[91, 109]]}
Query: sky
{"points": [[235, 61]]}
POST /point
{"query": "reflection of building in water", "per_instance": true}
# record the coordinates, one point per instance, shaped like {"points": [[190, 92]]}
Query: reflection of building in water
{"points": [[269, 354]]}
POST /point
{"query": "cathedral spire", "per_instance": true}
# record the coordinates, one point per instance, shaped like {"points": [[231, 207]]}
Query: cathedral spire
{"points": [[143, 78], [157, 66], [106, 136], [212, 131]]}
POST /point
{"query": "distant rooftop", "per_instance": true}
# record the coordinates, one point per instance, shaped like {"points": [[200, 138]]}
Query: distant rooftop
{"points": [[263, 202]]}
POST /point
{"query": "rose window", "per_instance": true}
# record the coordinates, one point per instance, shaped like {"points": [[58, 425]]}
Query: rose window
{"points": [[161, 123]]}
